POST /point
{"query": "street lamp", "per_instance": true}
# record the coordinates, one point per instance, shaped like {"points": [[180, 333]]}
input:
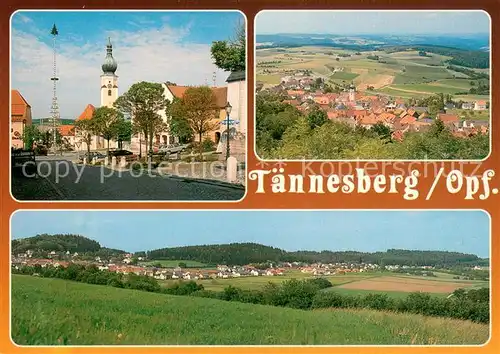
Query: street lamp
{"points": [[228, 109]]}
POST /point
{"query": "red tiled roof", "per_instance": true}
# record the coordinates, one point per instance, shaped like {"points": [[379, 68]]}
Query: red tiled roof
{"points": [[87, 113], [220, 93], [408, 119], [19, 106], [448, 118], [67, 130]]}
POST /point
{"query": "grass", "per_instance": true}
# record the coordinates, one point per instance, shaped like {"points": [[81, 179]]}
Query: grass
{"points": [[258, 283], [272, 79], [471, 115], [175, 263], [341, 75], [59, 312], [391, 294]]}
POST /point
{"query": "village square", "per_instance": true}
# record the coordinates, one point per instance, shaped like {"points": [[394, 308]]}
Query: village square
{"points": [[146, 140]]}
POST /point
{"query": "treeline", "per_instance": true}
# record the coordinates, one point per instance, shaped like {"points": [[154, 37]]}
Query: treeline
{"points": [[57, 242], [306, 294], [470, 73], [469, 58], [42, 244], [283, 132], [251, 253]]}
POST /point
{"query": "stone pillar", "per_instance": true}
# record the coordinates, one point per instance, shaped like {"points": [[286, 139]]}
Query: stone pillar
{"points": [[113, 161], [123, 161], [94, 160], [106, 160], [231, 169], [84, 160]]}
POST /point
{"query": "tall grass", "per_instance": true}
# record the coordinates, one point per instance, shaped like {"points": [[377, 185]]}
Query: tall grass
{"points": [[60, 312]]}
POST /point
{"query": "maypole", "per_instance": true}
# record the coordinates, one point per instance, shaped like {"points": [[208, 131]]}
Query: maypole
{"points": [[55, 107]]}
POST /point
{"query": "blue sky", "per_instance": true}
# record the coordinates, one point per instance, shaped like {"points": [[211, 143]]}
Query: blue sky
{"points": [[149, 46], [372, 22], [461, 231]]}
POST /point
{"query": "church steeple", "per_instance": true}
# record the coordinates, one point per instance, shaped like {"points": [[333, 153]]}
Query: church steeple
{"points": [[109, 80], [109, 67]]}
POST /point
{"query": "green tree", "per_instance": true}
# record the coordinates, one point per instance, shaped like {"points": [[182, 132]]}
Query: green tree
{"points": [[123, 131], [84, 129], [182, 264], [198, 107], [142, 102], [177, 122], [317, 117], [31, 134], [230, 55], [106, 122]]}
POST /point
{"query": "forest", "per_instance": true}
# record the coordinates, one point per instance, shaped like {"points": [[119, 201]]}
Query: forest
{"points": [[45, 243], [251, 253], [469, 58]]}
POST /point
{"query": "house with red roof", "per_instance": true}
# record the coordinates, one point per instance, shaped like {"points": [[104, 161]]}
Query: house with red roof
{"points": [[480, 105], [20, 117], [448, 118]]}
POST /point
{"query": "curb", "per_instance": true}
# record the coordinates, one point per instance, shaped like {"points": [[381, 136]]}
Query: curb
{"points": [[206, 181]]}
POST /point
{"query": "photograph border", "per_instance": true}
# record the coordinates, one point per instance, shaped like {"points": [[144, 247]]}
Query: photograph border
{"points": [[247, 151], [371, 10], [256, 346]]}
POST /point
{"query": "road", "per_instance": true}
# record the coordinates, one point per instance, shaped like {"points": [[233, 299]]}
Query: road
{"points": [[62, 180]]}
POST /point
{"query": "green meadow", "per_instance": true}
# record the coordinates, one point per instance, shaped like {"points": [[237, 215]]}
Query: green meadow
{"points": [[59, 312]]}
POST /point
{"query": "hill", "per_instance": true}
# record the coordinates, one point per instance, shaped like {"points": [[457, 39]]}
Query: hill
{"points": [[245, 253], [59, 243], [59, 312], [63, 121]]}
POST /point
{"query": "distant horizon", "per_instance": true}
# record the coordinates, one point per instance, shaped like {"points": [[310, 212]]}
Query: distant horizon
{"points": [[339, 231], [353, 34], [404, 22]]}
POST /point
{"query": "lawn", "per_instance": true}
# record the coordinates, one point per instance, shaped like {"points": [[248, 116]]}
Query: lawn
{"points": [[59, 312]]}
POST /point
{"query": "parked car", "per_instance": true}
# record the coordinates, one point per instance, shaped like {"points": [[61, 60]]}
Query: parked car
{"points": [[172, 148], [92, 156], [120, 153]]}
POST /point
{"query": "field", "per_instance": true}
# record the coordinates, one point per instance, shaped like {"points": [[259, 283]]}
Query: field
{"points": [[405, 284], [59, 312], [400, 74], [394, 284], [257, 283]]}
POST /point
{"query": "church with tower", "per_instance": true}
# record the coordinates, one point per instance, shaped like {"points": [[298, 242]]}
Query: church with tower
{"points": [[109, 80], [109, 94]]}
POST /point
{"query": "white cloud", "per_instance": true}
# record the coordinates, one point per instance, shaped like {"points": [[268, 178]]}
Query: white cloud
{"points": [[155, 55]]}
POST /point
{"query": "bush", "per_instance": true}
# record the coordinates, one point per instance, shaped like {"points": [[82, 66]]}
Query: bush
{"points": [[184, 288], [378, 302], [292, 293], [326, 299], [321, 283]]}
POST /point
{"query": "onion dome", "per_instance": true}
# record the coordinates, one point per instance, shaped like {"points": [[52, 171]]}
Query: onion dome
{"points": [[110, 65]]}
